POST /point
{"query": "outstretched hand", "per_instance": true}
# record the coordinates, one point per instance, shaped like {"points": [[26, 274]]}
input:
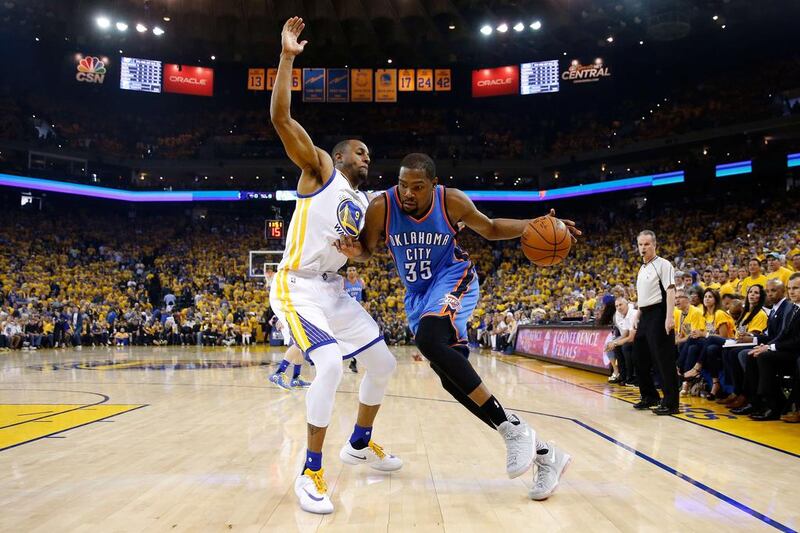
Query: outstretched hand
{"points": [[289, 35], [348, 246], [574, 232]]}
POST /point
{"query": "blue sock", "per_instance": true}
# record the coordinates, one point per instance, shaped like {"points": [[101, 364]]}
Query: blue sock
{"points": [[313, 461], [296, 373], [360, 437], [282, 367]]}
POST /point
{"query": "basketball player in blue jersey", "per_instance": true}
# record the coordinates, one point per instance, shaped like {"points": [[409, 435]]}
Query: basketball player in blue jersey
{"points": [[417, 219], [307, 293]]}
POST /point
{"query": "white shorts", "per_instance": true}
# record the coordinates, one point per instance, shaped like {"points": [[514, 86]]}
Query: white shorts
{"points": [[317, 311]]}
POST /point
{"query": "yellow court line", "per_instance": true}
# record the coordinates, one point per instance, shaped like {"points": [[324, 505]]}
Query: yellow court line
{"points": [[778, 435], [22, 423]]}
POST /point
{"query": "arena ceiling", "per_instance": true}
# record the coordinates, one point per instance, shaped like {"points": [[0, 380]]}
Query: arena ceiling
{"points": [[369, 31]]}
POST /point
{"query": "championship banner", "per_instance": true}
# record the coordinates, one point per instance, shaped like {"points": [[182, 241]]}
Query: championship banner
{"points": [[313, 84], [338, 85], [582, 347], [186, 79], [255, 79], [361, 85], [386, 85], [406, 80], [425, 79], [90, 69], [443, 79], [297, 75], [579, 73], [495, 81]]}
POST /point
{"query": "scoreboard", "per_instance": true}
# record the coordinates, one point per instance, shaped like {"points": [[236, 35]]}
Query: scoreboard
{"points": [[274, 230], [140, 75], [539, 77]]}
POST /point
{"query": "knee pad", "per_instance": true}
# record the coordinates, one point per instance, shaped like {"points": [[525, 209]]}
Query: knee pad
{"points": [[322, 392], [433, 334], [379, 365]]}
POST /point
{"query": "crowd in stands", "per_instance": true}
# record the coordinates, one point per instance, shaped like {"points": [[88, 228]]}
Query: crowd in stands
{"points": [[79, 279]]}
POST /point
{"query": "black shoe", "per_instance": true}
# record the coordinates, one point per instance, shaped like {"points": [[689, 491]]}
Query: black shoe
{"points": [[645, 403], [765, 415], [664, 410], [746, 410], [353, 366]]}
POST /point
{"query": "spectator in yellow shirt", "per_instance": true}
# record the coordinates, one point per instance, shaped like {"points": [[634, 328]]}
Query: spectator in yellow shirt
{"points": [[754, 318], [776, 268], [755, 277], [718, 328], [708, 280], [726, 286], [688, 318], [795, 255]]}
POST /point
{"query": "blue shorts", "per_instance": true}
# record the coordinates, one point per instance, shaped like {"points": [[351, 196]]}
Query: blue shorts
{"points": [[453, 293]]}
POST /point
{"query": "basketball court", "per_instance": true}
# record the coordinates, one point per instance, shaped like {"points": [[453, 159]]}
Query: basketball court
{"points": [[197, 439]]}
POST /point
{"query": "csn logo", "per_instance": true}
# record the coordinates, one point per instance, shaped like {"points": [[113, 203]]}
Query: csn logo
{"points": [[91, 70]]}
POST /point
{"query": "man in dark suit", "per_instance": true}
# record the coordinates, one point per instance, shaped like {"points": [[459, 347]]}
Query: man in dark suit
{"points": [[778, 358], [736, 360]]}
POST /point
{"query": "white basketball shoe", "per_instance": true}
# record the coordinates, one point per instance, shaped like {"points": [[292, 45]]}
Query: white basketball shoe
{"points": [[373, 455], [519, 438], [550, 467], [312, 491]]}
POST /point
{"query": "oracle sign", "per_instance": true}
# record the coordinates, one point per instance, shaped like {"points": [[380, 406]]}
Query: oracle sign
{"points": [[185, 79], [495, 81]]}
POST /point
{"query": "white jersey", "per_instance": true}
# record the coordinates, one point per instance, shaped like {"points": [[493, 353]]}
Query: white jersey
{"points": [[319, 219]]}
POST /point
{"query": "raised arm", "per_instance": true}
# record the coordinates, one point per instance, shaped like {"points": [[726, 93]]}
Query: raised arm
{"points": [[461, 209], [362, 248], [315, 163]]}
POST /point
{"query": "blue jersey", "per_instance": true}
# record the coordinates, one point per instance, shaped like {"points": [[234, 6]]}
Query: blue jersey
{"points": [[355, 290], [423, 248]]}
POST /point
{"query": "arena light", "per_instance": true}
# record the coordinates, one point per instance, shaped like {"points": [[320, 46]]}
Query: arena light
{"points": [[715, 18], [93, 191], [734, 169], [793, 160], [502, 28], [486, 30], [451, 27], [519, 27], [122, 26], [158, 31], [536, 25], [141, 28], [103, 23], [610, 39]]}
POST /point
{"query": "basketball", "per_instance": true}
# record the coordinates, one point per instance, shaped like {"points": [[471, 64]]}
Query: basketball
{"points": [[546, 241]]}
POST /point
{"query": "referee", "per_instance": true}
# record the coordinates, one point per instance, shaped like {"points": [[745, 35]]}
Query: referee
{"points": [[654, 341]]}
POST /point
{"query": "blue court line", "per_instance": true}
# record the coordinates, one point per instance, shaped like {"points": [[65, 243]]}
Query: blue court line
{"points": [[773, 448], [702, 486], [727, 499]]}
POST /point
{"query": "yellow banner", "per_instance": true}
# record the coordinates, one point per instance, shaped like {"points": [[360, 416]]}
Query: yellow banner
{"points": [[255, 79], [361, 85], [386, 85], [405, 80], [297, 78], [425, 79], [443, 79]]}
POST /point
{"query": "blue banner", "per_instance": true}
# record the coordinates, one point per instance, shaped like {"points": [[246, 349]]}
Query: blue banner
{"points": [[313, 84], [338, 85]]}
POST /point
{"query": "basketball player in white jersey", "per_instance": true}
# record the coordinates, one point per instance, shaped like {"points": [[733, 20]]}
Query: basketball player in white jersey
{"points": [[308, 295]]}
